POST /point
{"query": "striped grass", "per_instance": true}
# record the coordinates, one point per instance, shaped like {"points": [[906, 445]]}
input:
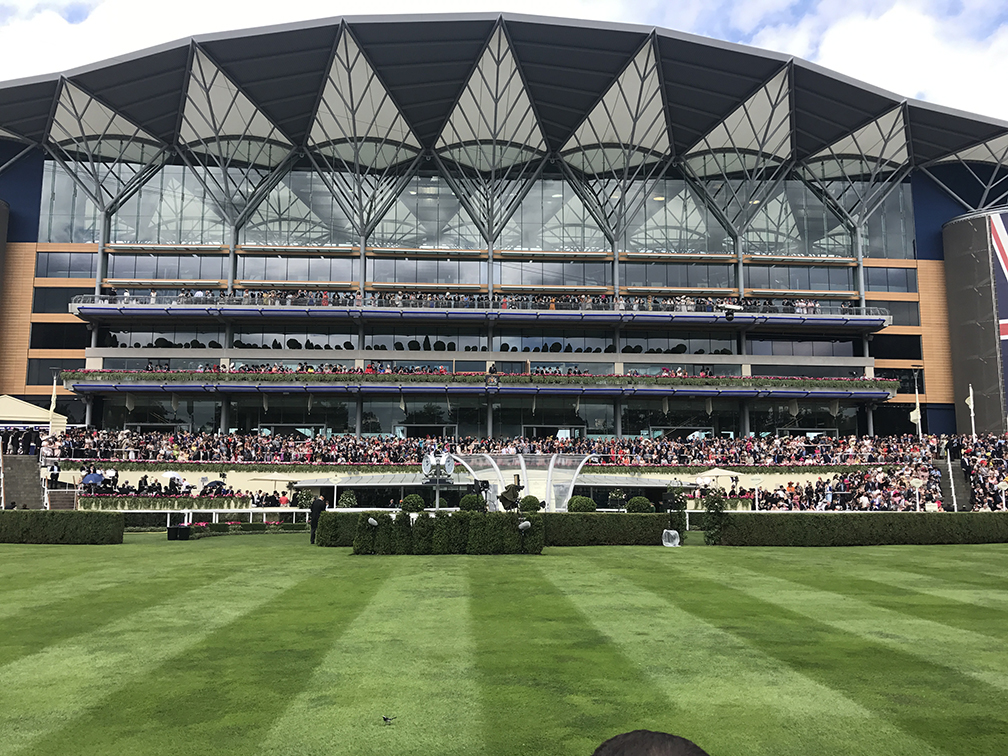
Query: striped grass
{"points": [[267, 646]]}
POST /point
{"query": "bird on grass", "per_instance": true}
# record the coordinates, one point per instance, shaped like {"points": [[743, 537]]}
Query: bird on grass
{"points": [[387, 720]]}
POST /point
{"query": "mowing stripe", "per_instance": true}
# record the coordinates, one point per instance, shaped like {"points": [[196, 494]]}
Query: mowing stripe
{"points": [[730, 696], [223, 695], [47, 690], [408, 654], [932, 701], [551, 684], [978, 656]]}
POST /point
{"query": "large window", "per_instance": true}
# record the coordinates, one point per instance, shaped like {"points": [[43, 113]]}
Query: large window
{"points": [[895, 347], [903, 313], [553, 218], [412, 270], [158, 267], [552, 340], [172, 208], [673, 219], [59, 336], [427, 215], [41, 371], [292, 337], [142, 337], [549, 274], [678, 275], [799, 278], [52, 299], [891, 279], [789, 346], [795, 222], [890, 229], [67, 214], [660, 342], [421, 339], [298, 268], [66, 265], [299, 211]]}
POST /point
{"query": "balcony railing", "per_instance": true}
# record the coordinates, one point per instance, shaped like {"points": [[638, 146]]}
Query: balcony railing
{"points": [[495, 303]]}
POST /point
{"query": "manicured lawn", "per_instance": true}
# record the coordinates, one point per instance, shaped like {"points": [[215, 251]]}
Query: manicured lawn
{"points": [[264, 645]]}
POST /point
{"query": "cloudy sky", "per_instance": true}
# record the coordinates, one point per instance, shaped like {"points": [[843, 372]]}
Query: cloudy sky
{"points": [[945, 51]]}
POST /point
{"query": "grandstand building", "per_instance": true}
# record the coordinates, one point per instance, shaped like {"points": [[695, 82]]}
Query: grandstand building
{"points": [[449, 193]]}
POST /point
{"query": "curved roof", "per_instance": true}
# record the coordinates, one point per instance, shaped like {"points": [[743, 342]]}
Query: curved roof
{"points": [[568, 70]]}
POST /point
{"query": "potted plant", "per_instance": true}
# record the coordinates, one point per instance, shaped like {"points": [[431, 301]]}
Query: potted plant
{"points": [[617, 499]]}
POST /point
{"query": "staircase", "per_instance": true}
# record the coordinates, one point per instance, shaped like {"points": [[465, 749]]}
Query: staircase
{"points": [[21, 481], [956, 480], [60, 498]]}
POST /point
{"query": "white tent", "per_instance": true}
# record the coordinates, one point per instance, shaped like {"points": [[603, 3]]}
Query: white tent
{"points": [[16, 412]]}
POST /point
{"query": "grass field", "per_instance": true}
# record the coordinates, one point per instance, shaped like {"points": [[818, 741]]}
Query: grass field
{"points": [[263, 645]]}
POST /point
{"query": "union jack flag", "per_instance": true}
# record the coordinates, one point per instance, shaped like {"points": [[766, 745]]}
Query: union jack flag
{"points": [[999, 238]]}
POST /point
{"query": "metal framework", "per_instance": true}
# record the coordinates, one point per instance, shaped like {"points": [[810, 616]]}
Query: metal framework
{"points": [[984, 168]]}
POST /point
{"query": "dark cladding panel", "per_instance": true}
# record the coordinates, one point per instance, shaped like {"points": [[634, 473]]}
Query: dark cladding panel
{"points": [[21, 189], [974, 329], [424, 64], [4, 212]]}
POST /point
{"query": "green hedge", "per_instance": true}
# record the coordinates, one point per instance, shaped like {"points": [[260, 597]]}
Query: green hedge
{"points": [[96, 503], [581, 504], [459, 533], [336, 529], [604, 529], [862, 528], [58, 527]]}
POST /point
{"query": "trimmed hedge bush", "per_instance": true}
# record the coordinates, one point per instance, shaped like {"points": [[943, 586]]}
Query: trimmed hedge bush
{"points": [[423, 534], [529, 504], [640, 505], [459, 533], [413, 503], [862, 528], [604, 529], [472, 503], [336, 529], [347, 500], [61, 527], [110, 502], [581, 504]]}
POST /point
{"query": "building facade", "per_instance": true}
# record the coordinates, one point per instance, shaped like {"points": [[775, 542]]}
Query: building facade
{"points": [[443, 194]]}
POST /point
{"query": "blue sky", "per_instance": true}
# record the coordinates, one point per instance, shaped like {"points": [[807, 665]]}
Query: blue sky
{"points": [[951, 53]]}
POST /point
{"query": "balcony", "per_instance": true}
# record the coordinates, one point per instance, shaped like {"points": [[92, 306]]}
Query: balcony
{"points": [[344, 383], [685, 312]]}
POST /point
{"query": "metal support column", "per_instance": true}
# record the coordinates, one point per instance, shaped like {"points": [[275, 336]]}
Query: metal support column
{"points": [[859, 254], [225, 414], [232, 259], [88, 411], [363, 264], [229, 335], [744, 414], [870, 413], [615, 268], [618, 418], [739, 252], [359, 416], [489, 417], [102, 264], [490, 276]]}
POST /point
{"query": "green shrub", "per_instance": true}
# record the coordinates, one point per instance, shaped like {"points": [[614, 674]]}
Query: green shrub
{"points": [[675, 499], [124, 502], [529, 504], [603, 529], [372, 539], [458, 532], [581, 504], [441, 536], [44, 526], [423, 532], [714, 516], [472, 503], [413, 503], [640, 505], [402, 534], [303, 498], [498, 533], [336, 529], [347, 500], [862, 528]]}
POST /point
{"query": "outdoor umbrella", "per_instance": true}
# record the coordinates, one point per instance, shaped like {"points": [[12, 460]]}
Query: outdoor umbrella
{"points": [[215, 484], [94, 479]]}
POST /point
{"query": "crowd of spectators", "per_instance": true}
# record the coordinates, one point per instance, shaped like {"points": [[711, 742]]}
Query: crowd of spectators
{"points": [[984, 463], [79, 443], [453, 300]]}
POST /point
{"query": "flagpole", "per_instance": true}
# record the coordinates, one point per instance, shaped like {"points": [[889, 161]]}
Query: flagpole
{"points": [[972, 413]]}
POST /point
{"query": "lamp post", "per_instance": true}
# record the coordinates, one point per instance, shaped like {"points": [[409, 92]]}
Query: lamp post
{"points": [[917, 483], [920, 434], [1002, 487]]}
